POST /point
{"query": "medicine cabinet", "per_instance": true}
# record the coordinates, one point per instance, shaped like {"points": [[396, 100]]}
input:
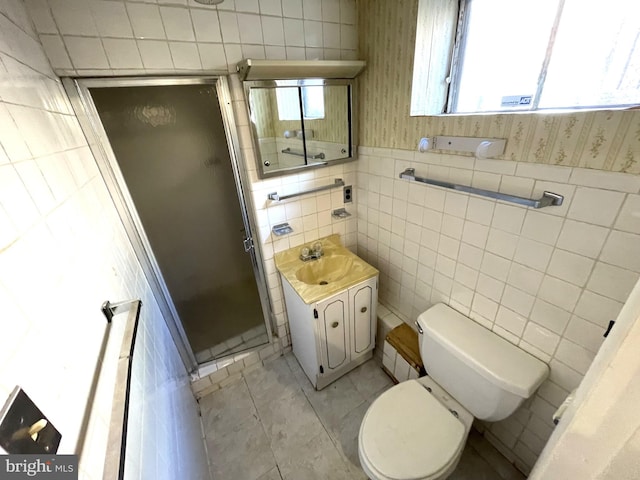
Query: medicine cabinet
{"points": [[302, 113]]}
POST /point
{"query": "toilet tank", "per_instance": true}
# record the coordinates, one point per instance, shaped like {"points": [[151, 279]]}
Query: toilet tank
{"points": [[485, 373]]}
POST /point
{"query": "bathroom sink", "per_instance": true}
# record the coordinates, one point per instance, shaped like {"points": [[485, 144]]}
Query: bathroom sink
{"points": [[326, 270], [313, 280], [334, 272]]}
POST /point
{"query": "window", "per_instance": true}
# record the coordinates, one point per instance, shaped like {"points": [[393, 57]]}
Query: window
{"points": [[531, 55], [288, 99]]}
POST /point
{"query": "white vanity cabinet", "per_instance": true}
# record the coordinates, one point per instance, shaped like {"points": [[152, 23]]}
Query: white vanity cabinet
{"points": [[334, 335]]}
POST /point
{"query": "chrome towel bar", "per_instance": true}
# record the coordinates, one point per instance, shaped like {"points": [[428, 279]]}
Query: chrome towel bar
{"points": [[548, 198], [274, 196], [117, 443], [301, 154]]}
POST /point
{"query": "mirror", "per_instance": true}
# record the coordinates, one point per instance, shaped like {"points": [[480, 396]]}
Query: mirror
{"points": [[300, 124]]}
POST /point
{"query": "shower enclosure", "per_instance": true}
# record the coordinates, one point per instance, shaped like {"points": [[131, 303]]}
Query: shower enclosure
{"points": [[168, 151]]}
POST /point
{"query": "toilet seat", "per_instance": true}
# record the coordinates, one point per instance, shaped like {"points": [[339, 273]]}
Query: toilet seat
{"points": [[407, 434]]}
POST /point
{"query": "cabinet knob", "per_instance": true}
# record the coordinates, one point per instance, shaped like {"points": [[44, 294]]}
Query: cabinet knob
{"points": [[334, 324], [363, 309]]}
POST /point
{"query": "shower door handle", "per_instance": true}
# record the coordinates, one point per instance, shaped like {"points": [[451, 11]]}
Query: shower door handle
{"points": [[248, 244]]}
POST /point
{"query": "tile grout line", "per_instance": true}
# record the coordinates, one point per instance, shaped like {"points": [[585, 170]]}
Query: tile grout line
{"points": [[267, 436]]}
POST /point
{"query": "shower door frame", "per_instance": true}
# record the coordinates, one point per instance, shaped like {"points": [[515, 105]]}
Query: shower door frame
{"points": [[89, 119]]}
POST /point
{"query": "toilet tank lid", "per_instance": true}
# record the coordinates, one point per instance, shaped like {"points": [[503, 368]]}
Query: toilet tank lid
{"points": [[490, 355]]}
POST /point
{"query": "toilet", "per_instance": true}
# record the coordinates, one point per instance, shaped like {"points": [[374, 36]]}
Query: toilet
{"points": [[417, 429]]}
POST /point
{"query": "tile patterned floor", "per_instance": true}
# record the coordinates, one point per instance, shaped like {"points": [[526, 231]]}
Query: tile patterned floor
{"points": [[272, 425]]}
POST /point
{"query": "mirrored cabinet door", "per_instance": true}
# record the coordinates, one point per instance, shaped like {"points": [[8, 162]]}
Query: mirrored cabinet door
{"points": [[299, 124], [326, 121], [269, 124]]}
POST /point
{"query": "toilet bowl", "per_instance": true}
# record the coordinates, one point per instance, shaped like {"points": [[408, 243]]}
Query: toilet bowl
{"points": [[417, 429], [413, 431]]}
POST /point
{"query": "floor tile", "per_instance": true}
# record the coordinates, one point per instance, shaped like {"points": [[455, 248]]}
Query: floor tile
{"points": [[316, 459], [369, 379], [335, 400], [223, 409], [298, 373], [289, 422], [275, 379], [273, 425], [242, 453], [345, 437], [504, 468], [473, 467], [271, 475]]}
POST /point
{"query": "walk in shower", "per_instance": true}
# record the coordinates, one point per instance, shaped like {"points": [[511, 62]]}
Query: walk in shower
{"points": [[171, 150]]}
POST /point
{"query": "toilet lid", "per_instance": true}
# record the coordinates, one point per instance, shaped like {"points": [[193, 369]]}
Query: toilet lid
{"points": [[407, 434]]}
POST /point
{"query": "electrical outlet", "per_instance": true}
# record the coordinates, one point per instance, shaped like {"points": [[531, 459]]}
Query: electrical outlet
{"points": [[346, 194]]}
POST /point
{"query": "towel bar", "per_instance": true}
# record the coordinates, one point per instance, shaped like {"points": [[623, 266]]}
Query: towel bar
{"points": [[274, 196], [301, 154], [547, 199]]}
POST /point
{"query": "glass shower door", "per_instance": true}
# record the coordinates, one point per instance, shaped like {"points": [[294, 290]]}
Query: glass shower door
{"points": [[170, 145]]}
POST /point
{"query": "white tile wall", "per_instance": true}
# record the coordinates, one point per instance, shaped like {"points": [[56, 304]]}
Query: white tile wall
{"points": [[62, 245], [547, 280], [111, 37]]}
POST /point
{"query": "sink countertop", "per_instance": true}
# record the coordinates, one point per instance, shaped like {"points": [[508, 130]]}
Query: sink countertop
{"points": [[288, 263]]}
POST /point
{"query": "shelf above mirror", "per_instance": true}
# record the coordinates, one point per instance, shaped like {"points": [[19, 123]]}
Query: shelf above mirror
{"points": [[252, 69]]}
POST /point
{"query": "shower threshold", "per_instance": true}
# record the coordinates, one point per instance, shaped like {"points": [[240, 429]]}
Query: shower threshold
{"points": [[249, 339]]}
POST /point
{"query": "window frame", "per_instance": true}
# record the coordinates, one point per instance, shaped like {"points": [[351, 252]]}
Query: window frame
{"points": [[456, 54]]}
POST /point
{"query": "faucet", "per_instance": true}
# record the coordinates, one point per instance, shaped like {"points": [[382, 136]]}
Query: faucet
{"points": [[313, 253]]}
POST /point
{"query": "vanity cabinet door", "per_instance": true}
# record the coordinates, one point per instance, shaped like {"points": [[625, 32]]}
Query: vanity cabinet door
{"points": [[363, 302], [333, 331]]}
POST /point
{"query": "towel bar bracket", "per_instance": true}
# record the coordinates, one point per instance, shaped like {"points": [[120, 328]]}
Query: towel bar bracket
{"points": [[110, 310]]}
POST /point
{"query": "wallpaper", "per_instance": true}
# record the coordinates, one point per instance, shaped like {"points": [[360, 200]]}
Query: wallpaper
{"points": [[261, 111], [605, 140]]}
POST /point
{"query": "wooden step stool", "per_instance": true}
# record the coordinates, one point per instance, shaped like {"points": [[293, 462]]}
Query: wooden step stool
{"points": [[401, 354]]}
